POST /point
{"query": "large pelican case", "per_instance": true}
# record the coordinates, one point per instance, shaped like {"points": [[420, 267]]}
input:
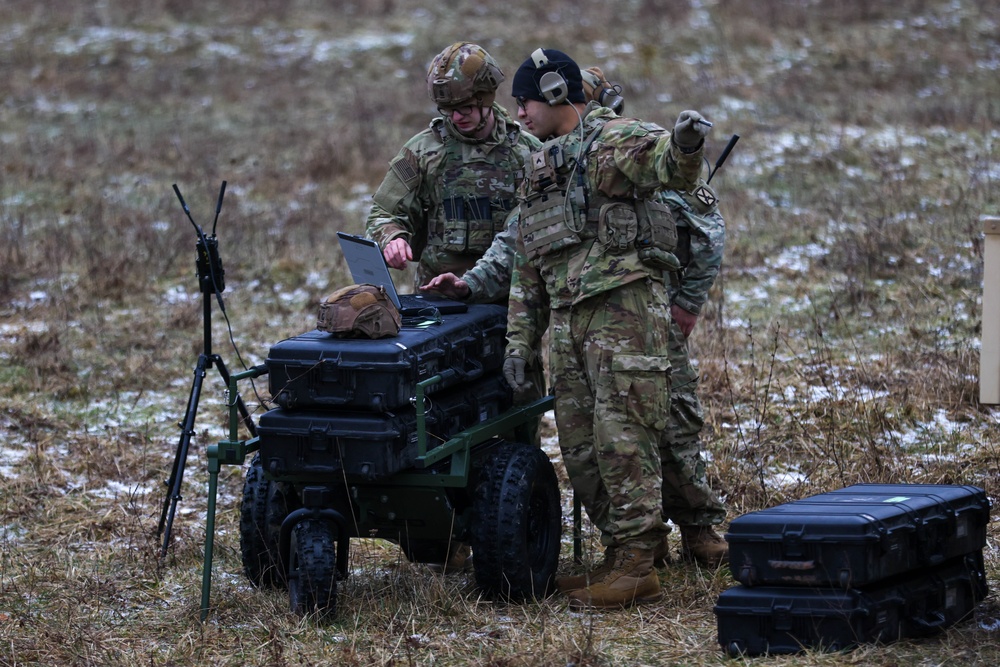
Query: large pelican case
{"points": [[306, 445], [788, 619], [857, 535], [320, 370]]}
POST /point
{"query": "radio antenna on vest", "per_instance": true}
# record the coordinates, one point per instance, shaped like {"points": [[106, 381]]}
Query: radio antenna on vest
{"points": [[722, 158]]}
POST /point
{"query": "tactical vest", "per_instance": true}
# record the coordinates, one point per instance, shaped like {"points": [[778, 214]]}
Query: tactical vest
{"points": [[559, 210], [477, 193]]}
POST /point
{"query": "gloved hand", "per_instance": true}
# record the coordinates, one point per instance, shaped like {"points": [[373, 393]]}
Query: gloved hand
{"points": [[690, 130], [513, 372]]}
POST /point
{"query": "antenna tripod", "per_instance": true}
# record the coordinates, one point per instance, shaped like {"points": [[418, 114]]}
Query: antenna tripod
{"points": [[211, 281]]}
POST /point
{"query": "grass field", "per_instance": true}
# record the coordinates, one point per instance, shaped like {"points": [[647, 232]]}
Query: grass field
{"points": [[841, 343]]}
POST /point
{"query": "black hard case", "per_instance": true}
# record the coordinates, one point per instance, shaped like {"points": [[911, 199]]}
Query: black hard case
{"points": [[789, 619], [857, 535], [313, 445], [317, 369]]}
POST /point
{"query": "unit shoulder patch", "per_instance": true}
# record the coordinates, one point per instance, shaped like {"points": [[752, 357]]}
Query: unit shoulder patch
{"points": [[706, 196]]}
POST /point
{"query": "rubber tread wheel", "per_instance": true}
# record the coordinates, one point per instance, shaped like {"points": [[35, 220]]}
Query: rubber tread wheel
{"points": [[312, 574], [264, 506], [517, 523]]}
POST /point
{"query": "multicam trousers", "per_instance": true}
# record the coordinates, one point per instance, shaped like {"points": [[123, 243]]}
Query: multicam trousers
{"points": [[610, 374], [687, 497]]}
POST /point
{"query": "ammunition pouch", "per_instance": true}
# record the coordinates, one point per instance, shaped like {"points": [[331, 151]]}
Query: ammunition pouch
{"points": [[657, 237], [648, 226], [617, 227], [470, 223]]}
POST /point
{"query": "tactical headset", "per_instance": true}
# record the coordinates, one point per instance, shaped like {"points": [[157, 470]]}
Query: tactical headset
{"points": [[552, 85], [605, 94]]}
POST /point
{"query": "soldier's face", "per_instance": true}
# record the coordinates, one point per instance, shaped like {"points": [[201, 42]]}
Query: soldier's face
{"points": [[467, 118], [537, 117]]}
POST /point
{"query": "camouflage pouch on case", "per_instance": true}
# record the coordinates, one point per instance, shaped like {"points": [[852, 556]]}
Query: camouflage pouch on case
{"points": [[359, 311]]}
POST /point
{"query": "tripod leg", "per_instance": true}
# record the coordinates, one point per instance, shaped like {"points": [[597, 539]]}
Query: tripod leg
{"points": [[177, 473]]}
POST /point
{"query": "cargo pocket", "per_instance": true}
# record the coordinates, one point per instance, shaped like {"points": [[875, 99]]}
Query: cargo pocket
{"points": [[643, 387]]}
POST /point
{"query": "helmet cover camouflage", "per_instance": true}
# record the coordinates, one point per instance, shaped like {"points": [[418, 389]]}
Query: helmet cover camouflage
{"points": [[358, 311], [462, 74]]}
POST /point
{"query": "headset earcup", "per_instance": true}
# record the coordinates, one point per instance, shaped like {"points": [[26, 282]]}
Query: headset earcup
{"points": [[553, 88]]}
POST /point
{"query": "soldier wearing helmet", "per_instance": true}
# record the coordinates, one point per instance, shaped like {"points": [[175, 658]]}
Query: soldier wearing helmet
{"points": [[450, 188]]}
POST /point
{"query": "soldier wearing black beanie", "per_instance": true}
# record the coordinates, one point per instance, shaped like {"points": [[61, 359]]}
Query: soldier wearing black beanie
{"points": [[530, 80], [593, 264]]}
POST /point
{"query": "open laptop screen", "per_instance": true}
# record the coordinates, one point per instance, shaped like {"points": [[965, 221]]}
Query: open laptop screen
{"points": [[367, 265]]}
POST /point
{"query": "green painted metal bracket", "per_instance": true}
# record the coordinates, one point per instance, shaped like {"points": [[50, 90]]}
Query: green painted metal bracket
{"points": [[227, 452], [460, 446]]}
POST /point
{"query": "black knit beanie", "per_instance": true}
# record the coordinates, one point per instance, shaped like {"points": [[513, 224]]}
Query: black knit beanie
{"points": [[527, 79]]}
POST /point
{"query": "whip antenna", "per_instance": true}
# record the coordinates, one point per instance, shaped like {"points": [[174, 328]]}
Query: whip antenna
{"points": [[725, 154], [218, 206]]}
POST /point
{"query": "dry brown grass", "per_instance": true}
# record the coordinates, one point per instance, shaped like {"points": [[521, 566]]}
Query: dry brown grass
{"points": [[841, 344]]}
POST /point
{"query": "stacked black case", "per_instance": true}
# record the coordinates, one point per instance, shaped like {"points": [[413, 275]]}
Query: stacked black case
{"points": [[866, 563], [304, 445], [346, 405], [320, 370]]}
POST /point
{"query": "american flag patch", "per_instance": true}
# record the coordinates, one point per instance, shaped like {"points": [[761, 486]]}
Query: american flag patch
{"points": [[405, 168]]}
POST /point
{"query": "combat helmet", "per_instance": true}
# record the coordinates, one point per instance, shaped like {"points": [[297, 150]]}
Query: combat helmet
{"points": [[359, 311], [463, 74]]}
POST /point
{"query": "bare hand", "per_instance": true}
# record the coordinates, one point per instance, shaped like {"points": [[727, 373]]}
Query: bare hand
{"points": [[685, 320], [449, 285], [397, 253]]}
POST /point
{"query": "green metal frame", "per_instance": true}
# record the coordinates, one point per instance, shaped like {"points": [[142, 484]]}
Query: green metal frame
{"points": [[227, 452]]}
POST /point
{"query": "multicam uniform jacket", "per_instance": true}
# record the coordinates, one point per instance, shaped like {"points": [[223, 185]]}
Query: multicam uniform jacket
{"points": [[629, 159], [701, 241], [701, 233], [449, 195], [489, 279]]}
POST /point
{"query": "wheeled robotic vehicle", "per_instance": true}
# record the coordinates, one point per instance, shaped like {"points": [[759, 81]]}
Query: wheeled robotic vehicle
{"points": [[414, 439]]}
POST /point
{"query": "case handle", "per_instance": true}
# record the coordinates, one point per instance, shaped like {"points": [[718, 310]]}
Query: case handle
{"points": [[936, 621], [792, 564]]}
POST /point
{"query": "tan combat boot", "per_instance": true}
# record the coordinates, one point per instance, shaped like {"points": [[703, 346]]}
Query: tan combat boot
{"points": [[631, 580], [661, 558], [704, 545], [577, 581], [459, 560]]}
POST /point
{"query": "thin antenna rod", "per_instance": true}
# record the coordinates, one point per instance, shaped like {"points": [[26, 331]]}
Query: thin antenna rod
{"points": [[218, 207], [187, 211], [725, 154]]}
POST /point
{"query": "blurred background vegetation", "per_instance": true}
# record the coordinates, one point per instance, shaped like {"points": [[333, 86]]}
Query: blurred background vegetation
{"points": [[841, 343]]}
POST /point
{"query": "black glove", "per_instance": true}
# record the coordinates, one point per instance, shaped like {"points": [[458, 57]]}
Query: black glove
{"points": [[513, 372], [690, 130]]}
